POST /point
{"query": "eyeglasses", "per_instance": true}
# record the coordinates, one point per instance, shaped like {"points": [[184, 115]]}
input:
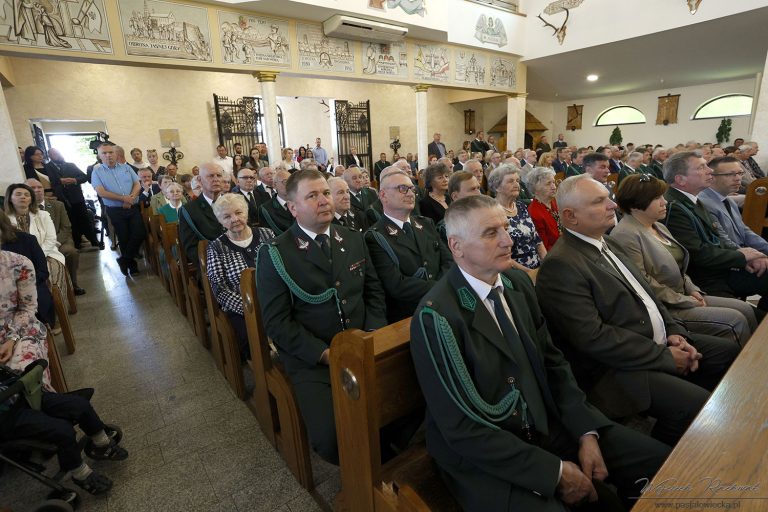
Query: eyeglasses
{"points": [[249, 178], [404, 189], [729, 174]]}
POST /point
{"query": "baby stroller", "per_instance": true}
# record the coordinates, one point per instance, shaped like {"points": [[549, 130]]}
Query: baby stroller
{"points": [[17, 452]]}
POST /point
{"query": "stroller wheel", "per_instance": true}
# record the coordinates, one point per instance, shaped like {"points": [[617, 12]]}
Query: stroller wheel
{"points": [[54, 506], [69, 497]]}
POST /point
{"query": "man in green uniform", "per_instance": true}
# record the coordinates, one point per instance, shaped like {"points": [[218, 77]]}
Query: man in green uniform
{"points": [[274, 214], [314, 281], [405, 248]]}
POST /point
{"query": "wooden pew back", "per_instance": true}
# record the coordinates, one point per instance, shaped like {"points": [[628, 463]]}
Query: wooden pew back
{"points": [[170, 239], [374, 383], [756, 205], [195, 305]]}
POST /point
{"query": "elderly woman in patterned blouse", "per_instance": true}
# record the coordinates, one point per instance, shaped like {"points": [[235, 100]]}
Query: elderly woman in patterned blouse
{"points": [[528, 250], [229, 255]]}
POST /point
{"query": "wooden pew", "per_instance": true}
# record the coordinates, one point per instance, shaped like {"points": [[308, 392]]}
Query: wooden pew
{"points": [[559, 177], [756, 205], [374, 383], [613, 181], [149, 241], [224, 346], [273, 401], [157, 246], [58, 381], [195, 305], [63, 316], [170, 239], [726, 442]]}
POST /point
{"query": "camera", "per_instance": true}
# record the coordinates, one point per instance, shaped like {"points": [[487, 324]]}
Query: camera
{"points": [[101, 137]]}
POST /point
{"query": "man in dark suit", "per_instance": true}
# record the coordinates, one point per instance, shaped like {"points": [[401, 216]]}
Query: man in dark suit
{"points": [[479, 145], [405, 248], [265, 186], [66, 187], [461, 160], [148, 189], [615, 163], [629, 354], [274, 214], [361, 196], [559, 163], [719, 267], [560, 142], [577, 165], [196, 219], [380, 165], [353, 160], [344, 214], [659, 156], [479, 338], [63, 227], [436, 147], [634, 161], [333, 286], [246, 185]]}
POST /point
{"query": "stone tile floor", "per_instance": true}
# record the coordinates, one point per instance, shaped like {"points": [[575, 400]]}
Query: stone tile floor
{"points": [[193, 445]]}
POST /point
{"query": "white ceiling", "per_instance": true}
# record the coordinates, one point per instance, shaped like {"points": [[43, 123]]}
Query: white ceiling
{"points": [[728, 48]]}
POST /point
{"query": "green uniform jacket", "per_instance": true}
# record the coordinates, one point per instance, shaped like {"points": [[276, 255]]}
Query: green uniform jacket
{"points": [[711, 258], [494, 469], [369, 197], [574, 170], [273, 216], [301, 330], [403, 291]]}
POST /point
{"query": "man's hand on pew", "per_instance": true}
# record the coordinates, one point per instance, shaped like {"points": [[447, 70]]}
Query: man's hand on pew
{"points": [[574, 486]]}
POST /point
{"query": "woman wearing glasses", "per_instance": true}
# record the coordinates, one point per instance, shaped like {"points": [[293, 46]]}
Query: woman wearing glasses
{"points": [[663, 262]]}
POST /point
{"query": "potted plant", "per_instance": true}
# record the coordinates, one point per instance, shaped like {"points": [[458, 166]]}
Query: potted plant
{"points": [[616, 137], [724, 131]]}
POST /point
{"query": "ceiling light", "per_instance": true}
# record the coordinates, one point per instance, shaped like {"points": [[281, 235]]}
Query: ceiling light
{"points": [[592, 78]]}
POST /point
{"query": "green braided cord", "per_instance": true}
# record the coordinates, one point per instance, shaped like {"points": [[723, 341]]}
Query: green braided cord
{"points": [[421, 272], [299, 292], [272, 224], [453, 361]]}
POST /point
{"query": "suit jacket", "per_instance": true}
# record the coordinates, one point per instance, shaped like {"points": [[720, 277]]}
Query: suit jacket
{"points": [[253, 208], [479, 146], [273, 216], [559, 165], [487, 463], [458, 166], [156, 202], [60, 220], [559, 144], [204, 223], [434, 149], [657, 169], [350, 160], [614, 165], [378, 167], [574, 170], [146, 199], [669, 281], [368, 198], [263, 195], [27, 245], [731, 223], [353, 219], [402, 289], [627, 171], [68, 194], [711, 257], [302, 330], [602, 325]]}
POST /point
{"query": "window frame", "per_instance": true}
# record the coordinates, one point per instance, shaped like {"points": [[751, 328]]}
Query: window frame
{"points": [[718, 98], [601, 114]]}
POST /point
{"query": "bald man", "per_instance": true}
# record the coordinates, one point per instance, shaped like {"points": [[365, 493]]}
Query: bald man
{"points": [[196, 219]]}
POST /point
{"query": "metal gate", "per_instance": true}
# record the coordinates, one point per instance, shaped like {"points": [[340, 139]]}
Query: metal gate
{"points": [[353, 130], [242, 121]]}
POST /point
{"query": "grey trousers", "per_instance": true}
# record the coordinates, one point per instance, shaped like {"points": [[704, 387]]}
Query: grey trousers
{"points": [[724, 317]]}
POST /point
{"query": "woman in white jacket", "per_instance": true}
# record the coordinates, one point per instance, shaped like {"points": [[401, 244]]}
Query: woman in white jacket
{"points": [[24, 214]]}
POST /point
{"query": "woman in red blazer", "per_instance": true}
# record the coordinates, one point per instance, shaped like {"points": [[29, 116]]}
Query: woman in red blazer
{"points": [[543, 208]]}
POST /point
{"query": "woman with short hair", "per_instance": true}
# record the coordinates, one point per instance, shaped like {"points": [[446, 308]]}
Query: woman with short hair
{"points": [[154, 164], [229, 255], [543, 207], [663, 261], [527, 249]]}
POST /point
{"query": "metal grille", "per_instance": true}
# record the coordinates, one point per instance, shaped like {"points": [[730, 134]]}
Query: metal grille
{"points": [[242, 121], [353, 130]]}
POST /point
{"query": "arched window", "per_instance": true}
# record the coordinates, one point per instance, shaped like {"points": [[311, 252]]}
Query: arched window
{"points": [[621, 114], [728, 105]]}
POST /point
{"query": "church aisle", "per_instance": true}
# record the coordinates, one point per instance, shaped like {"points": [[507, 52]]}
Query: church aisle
{"points": [[193, 445]]}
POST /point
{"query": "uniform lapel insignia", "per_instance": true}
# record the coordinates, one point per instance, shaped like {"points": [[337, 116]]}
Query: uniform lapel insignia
{"points": [[416, 224], [466, 299], [302, 244], [507, 282], [337, 236], [391, 230]]}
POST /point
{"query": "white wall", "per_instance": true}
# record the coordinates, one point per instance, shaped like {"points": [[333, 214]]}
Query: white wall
{"points": [[685, 129], [594, 22], [305, 119]]}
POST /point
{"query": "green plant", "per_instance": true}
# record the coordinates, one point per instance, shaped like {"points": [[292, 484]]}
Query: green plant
{"points": [[724, 131], [616, 137]]}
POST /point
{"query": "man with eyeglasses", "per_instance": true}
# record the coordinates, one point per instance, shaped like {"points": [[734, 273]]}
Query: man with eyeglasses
{"points": [[727, 174], [246, 185], [717, 265], [404, 248]]}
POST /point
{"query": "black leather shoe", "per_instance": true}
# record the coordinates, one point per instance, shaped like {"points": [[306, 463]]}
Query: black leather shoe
{"points": [[79, 291], [123, 266]]}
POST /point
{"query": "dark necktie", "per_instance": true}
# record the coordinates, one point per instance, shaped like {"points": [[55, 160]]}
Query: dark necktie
{"points": [[325, 244], [409, 230], [529, 355], [727, 204], [251, 203]]}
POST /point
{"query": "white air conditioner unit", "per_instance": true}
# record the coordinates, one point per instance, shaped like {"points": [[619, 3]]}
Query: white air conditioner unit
{"points": [[347, 27]]}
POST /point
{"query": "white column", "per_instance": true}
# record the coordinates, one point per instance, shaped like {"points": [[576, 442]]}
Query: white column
{"points": [[760, 120], [10, 166], [271, 126], [422, 138], [515, 120]]}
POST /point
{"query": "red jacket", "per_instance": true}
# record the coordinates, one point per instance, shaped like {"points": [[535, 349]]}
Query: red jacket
{"points": [[545, 222]]}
